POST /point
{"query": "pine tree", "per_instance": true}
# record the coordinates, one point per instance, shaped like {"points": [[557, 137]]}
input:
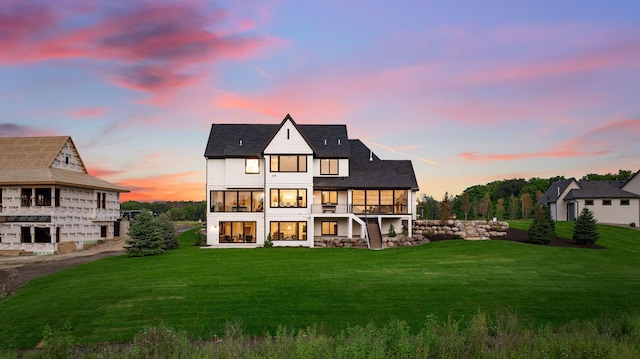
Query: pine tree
{"points": [[169, 238], [585, 230], [146, 236], [543, 228]]}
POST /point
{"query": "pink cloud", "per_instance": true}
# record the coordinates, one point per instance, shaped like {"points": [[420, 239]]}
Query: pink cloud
{"points": [[102, 172], [151, 47], [170, 187], [88, 112]]}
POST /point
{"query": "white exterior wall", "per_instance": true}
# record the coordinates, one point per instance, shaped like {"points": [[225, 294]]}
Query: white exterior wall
{"points": [[561, 210], [235, 176], [633, 185], [74, 162], [615, 213], [78, 218]]}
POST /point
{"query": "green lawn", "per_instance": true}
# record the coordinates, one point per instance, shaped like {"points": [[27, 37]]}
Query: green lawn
{"points": [[200, 291]]}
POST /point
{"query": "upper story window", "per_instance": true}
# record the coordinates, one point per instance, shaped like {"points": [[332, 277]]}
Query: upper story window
{"points": [[43, 197], [251, 165], [380, 201], [25, 197], [329, 197], [284, 198], [606, 202], [101, 200], [289, 163], [588, 202], [624, 202], [329, 166], [236, 201]]}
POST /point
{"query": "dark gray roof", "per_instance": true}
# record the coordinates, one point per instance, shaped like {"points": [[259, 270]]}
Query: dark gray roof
{"points": [[600, 189], [376, 173], [224, 142], [555, 190]]}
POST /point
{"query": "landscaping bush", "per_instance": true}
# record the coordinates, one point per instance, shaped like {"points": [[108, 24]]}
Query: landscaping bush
{"points": [[146, 236], [543, 228], [585, 230], [169, 237]]}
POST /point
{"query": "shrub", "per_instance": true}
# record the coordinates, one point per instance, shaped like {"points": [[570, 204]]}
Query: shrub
{"points": [[543, 228], [632, 224], [392, 230], [160, 342], [268, 243], [585, 230], [58, 343], [146, 236], [201, 239], [169, 237]]}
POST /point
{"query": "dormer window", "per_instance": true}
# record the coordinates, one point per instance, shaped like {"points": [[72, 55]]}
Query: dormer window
{"points": [[252, 165]]}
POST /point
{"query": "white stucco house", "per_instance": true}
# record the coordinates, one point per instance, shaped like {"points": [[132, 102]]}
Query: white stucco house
{"points": [[47, 196], [616, 202], [295, 183]]}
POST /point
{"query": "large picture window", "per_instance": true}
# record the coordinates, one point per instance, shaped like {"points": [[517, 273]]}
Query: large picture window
{"points": [[25, 197], [289, 198], [329, 197], [329, 166], [379, 201], [289, 163], [237, 232], [236, 201], [288, 231]]}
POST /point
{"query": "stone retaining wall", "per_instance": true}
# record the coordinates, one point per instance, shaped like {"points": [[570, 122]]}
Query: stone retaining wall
{"points": [[344, 242], [470, 230]]}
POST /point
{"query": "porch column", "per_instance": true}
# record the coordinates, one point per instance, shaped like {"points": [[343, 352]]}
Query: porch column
{"points": [[32, 230], [350, 228]]}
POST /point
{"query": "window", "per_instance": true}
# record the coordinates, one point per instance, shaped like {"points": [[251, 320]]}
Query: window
{"points": [[43, 197], [588, 202], [42, 235], [0, 199], [329, 228], [289, 163], [237, 232], [289, 198], [287, 231], [606, 202], [25, 197], [103, 231], [329, 197], [329, 166], [624, 202], [251, 165], [57, 194], [379, 201], [101, 200], [25, 234], [236, 201]]}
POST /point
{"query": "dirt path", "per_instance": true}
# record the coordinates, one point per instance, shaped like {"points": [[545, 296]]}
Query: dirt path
{"points": [[16, 271]]}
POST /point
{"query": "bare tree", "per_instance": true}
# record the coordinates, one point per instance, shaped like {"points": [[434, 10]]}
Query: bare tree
{"points": [[483, 206], [445, 208]]}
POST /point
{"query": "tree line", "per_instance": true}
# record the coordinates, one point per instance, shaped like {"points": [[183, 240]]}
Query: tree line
{"points": [[175, 210], [504, 199]]}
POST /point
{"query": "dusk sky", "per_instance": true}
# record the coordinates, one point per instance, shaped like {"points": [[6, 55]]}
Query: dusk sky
{"points": [[470, 91]]}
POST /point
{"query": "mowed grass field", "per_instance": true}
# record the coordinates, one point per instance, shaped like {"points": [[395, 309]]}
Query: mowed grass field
{"points": [[200, 291]]}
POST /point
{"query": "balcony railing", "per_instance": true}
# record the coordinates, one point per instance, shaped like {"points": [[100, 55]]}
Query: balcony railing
{"points": [[348, 208]]}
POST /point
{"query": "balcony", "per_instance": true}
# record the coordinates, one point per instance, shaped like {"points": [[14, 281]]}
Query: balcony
{"points": [[331, 208], [360, 210]]}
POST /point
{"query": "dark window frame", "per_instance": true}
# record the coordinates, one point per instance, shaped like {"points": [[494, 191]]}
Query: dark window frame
{"points": [[332, 227], [624, 202], [297, 201], [275, 163], [329, 193], [254, 197], [606, 202], [25, 197], [588, 202], [300, 232], [245, 238], [373, 201], [329, 161]]}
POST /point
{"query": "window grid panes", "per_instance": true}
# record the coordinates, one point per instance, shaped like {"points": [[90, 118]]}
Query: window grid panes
{"points": [[236, 201], [288, 231], [329, 228], [379, 201], [288, 198], [237, 232], [288, 163], [329, 166]]}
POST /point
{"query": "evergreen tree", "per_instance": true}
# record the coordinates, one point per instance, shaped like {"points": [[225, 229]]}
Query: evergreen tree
{"points": [[585, 230], [543, 228], [169, 238], [146, 236], [445, 209]]}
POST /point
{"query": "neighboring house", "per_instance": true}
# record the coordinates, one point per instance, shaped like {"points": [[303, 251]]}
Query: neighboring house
{"points": [[47, 197], [296, 182], [616, 202]]}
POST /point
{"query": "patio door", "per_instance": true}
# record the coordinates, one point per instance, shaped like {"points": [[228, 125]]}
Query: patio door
{"points": [[571, 211]]}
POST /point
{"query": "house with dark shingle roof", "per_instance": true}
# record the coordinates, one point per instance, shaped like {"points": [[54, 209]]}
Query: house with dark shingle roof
{"points": [[293, 183], [616, 202], [47, 197]]}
